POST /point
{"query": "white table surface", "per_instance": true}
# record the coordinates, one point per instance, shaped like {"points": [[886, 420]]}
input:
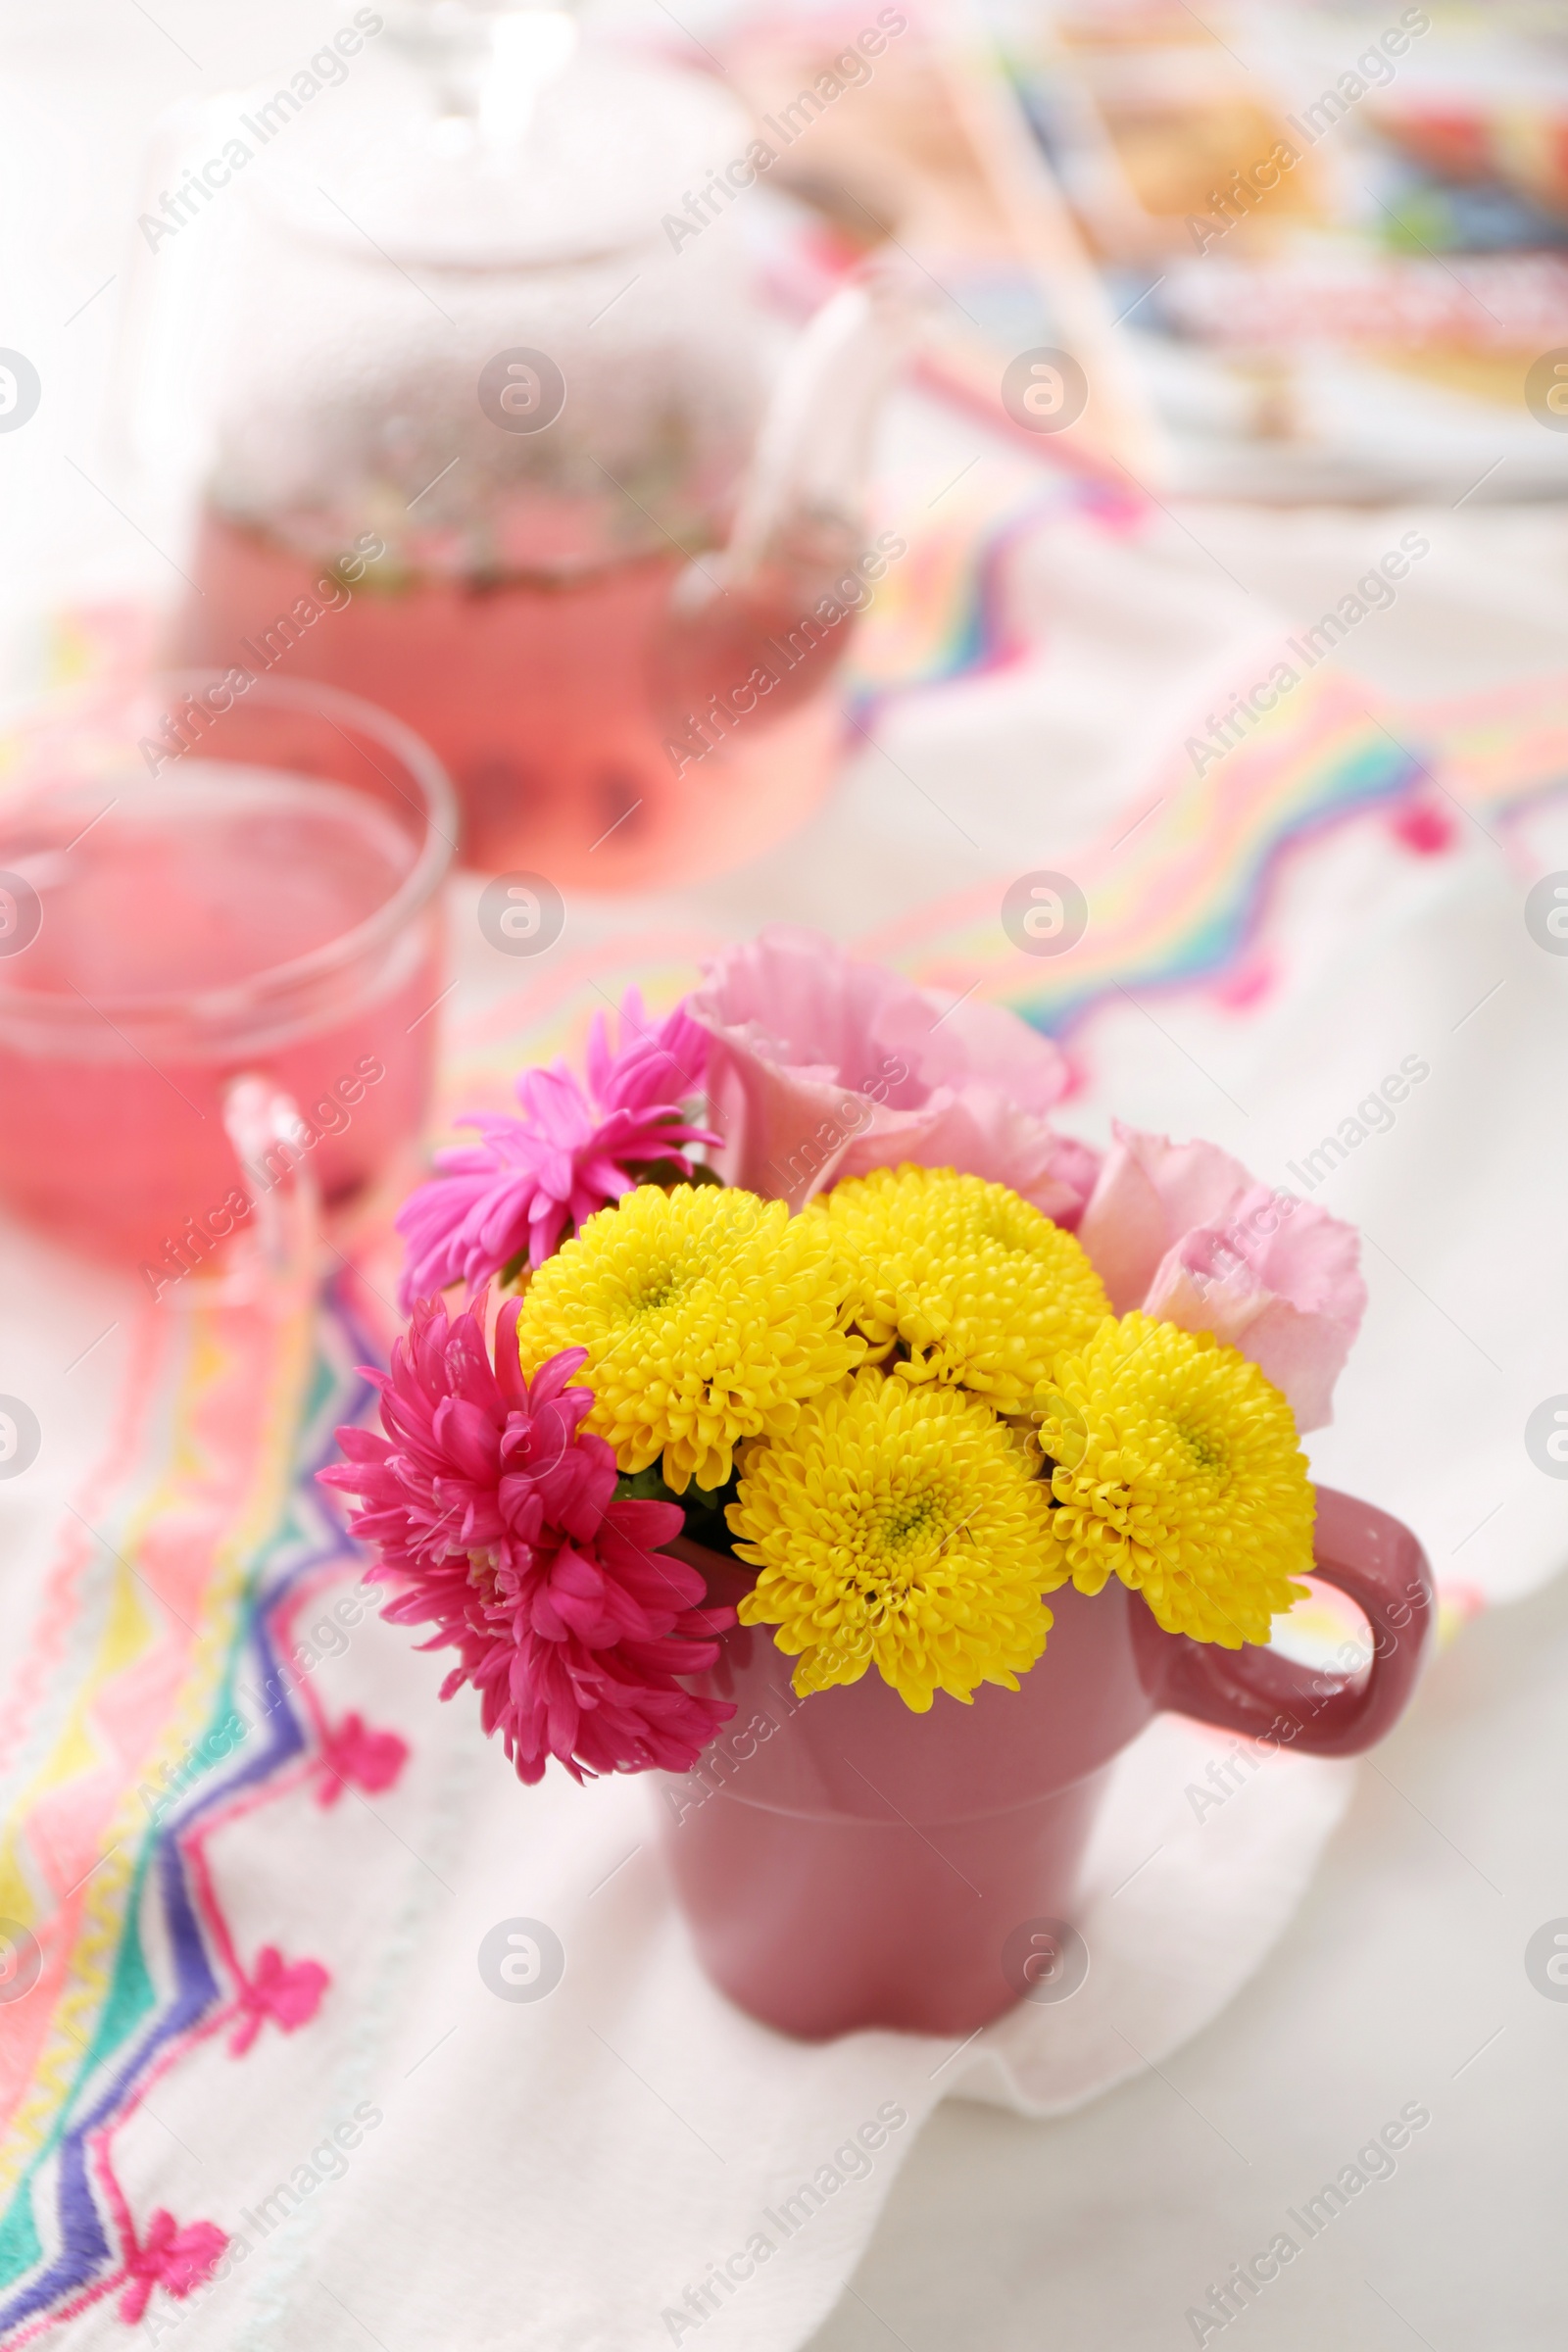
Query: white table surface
{"points": [[1096, 2234], [1403, 1977]]}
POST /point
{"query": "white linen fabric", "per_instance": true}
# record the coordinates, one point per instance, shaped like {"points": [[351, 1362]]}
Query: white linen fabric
{"points": [[627, 2161], [557, 2174], [568, 2172]]}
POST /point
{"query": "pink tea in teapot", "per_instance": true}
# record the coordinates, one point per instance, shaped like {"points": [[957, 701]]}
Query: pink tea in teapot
{"points": [[591, 732]]}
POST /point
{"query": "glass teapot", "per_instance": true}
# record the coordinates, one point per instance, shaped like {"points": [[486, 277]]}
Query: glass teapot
{"points": [[479, 417]]}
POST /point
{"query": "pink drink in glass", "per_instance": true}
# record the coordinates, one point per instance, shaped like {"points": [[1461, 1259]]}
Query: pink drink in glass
{"points": [[554, 702], [263, 905]]}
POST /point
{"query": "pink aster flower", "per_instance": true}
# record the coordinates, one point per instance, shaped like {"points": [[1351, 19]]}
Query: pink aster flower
{"points": [[497, 1523], [515, 1191]]}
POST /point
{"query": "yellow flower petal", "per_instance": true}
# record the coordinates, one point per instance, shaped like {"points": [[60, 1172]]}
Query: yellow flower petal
{"points": [[899, 1527], [707, 1315], [1177, 1467], [981, 1289]]}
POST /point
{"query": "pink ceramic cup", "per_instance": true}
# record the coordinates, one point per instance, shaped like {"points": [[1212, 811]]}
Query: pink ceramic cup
{"points": [[845, 1863]]}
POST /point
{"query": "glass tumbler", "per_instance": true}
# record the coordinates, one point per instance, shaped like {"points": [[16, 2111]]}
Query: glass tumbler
{"points": [[219, 959]]}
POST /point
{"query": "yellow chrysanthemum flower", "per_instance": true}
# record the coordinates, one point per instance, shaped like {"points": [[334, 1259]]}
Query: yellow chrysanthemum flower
{"points": [[1177, 1468], [983, 1290], [898, 1527], [709, 1316]]}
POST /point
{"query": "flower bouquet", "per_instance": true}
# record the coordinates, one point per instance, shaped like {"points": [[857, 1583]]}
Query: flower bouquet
{"points": [[815, 1341]]}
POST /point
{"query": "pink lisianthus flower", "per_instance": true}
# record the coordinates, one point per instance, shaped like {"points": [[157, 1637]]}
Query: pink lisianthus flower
{"points": [[496, 1521], [821, 1067], [1183, 1231], [515, 1194]]}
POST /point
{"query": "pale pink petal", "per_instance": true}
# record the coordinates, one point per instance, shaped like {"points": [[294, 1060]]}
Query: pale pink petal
{"points": [[820, 1067], [1301, 1353], [978, 1131], [794, 998], [1183, 1232], [1030, 1069], [1150, 1192]]}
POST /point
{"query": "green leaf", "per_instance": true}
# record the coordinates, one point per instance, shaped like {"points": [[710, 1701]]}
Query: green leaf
{"points": [[665, 1174], [702, 1509]]}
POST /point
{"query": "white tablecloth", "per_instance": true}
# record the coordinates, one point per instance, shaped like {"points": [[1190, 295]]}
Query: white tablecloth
{"points": [[1401, 1979]]}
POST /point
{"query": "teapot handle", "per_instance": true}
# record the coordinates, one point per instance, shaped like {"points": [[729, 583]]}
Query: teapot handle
{"points": [[812, 459], [1380, 1564]]}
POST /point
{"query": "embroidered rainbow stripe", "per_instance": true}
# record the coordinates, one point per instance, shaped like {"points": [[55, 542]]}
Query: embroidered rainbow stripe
{"points": [[184, 1584], [200, 1534], [1179, 894]]}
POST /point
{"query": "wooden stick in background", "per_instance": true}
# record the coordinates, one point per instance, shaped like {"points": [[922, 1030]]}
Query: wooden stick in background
{"points": [[1120, 418]]}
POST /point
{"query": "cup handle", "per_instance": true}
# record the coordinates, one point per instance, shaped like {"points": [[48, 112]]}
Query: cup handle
{"points": [[1379, 1563], [278, 1255]]}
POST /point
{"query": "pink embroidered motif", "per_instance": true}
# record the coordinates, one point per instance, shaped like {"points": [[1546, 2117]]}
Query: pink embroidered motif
{"points": [[1242, 989], [1424, 828], [352, 1754], [289, 1991], [174, 2259]]}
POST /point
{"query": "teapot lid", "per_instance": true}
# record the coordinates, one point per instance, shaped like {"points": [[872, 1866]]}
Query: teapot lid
{"points": [[474, 138]]}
